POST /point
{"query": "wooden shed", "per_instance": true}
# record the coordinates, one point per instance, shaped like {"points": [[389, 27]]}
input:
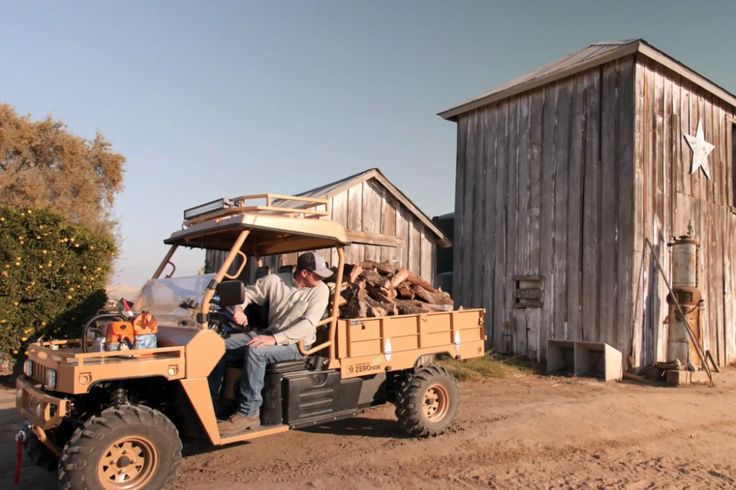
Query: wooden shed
{"points": [[382, 223], [562, 174]]}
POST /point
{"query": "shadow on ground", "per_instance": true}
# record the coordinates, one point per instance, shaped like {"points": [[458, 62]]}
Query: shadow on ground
{"points": [[362, 427]]}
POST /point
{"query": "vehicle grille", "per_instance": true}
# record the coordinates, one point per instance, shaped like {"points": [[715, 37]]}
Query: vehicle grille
{"points": [[39, 372]]}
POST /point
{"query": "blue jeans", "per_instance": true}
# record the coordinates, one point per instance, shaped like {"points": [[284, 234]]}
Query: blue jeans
{"points": [[254, 361]]}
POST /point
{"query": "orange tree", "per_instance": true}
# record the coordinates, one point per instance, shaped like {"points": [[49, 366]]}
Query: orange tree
{"points": [[52, 277], [57, 239]]}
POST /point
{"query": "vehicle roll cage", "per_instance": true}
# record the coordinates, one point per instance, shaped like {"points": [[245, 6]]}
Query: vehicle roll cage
{"points": [[282, 224]]}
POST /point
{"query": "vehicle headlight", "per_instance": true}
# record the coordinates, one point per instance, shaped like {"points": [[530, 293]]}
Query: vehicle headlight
{"points": [[51, 379], [28, 368]]}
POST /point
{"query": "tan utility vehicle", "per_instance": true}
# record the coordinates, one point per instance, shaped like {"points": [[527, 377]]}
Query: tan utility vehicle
{"points": [[110, 419]]}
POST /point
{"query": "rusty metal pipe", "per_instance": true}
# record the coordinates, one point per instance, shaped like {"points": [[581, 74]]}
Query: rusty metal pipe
{"points": [[682, 316]]}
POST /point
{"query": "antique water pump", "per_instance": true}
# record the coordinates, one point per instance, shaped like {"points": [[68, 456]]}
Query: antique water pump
{"points": [[685, 290]]}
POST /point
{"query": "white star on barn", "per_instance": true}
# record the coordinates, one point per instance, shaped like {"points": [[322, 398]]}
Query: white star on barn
{"points": [[701, 150]]}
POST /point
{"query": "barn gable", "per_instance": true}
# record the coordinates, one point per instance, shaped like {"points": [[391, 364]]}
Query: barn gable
{"points": [[593, 56]]}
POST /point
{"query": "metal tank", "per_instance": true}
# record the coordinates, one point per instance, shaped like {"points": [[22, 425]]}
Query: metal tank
{"points": [[685, 290]]}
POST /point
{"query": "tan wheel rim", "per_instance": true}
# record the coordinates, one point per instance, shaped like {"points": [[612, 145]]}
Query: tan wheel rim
{"points": [[436, 402], [127, 463]]}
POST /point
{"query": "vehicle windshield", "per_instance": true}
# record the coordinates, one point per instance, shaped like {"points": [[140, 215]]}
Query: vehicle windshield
{"points": [[178, 291], [186, 261]]}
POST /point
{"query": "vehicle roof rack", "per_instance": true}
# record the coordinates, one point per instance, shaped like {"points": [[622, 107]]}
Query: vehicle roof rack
{"points": [[269, 204]]}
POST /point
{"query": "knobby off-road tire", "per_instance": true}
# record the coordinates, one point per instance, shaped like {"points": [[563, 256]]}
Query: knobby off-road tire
{"points": [[41, 456], [427, 401], [127, 447]]}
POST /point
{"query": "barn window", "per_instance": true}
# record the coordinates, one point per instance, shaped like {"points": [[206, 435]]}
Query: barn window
{"points": [[528, 291]]}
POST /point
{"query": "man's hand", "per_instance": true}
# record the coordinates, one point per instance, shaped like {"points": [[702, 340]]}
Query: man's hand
{"points": [[261, 340], [239, 316]]}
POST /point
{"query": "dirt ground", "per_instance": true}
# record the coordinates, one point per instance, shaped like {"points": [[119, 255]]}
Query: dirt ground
{"points": [[528, 432]]}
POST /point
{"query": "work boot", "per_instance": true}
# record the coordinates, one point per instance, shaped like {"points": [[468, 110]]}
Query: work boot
{"points": [[225, 408], [238, 423]]}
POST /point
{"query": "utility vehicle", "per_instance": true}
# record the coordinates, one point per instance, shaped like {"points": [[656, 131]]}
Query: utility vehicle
{"points": [[113, 419]]}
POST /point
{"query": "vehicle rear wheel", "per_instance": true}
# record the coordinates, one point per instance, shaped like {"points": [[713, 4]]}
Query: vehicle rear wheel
{"points": [[427, 401], [127, 447]]}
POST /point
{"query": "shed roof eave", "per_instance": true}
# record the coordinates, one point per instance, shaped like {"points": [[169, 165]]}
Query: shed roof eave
{"points": [[530, 82], [673, 64], [535, 82]]}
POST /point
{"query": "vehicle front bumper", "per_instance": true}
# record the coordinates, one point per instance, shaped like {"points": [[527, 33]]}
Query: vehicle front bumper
{"points": [[38, 407]]}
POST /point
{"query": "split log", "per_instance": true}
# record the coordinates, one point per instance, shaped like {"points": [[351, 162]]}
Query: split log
{"points": [[356, 290], [409, 307], [376, 289], [432, 297], [433, 308], [418, 281], [376, 279], [355, 308], [381, 294], [399, 277], [376, 312], [379, 309], [355, 271], [380, 267], [404, 290]]}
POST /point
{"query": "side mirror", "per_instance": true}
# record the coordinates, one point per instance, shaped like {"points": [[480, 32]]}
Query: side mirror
{"points": [[231, 293]]}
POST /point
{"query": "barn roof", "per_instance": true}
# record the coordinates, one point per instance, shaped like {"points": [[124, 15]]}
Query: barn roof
{"points": [[342, 185], [594, 55]]}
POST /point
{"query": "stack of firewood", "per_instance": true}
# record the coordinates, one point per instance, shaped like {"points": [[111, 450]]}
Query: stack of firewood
{"points": [[377, 289]]}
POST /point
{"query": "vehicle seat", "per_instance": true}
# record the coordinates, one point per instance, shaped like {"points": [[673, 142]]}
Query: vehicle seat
{"points": [[287, 268], [287, 366], [311, 363]]}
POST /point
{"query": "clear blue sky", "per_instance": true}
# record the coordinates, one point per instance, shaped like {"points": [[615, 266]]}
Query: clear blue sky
{"points": [[217, 98]]}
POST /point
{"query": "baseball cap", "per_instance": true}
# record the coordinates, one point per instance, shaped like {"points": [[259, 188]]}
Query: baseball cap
{"points": [[313, 263]]}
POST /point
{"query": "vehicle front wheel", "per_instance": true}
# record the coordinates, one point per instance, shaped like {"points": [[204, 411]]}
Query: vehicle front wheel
{"points": [[126, 447], [427, 401]]}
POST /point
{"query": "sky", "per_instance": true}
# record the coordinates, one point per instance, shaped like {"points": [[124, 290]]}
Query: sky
{"points": [[217, 98]]}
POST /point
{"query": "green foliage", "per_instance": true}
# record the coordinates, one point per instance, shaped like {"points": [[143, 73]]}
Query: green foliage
{"points": [[52, 277]]}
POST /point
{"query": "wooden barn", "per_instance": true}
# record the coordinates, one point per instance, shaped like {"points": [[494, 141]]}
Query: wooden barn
{"points": [[382, 223], [562, 174]]}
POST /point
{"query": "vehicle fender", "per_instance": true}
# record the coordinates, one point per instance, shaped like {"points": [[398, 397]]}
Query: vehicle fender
{"points": [[203, 352]]}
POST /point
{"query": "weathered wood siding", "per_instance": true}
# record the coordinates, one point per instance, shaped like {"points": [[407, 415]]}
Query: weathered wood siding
{"points": [[668, 196], [544, 187], [367, 207]]}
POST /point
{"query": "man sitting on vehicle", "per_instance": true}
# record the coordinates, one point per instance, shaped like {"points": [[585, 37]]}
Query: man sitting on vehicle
{"points": [[296, 305]]}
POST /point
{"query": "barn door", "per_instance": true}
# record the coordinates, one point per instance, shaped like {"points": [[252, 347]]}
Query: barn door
{"points": [[527, 315], [525, 328]]}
